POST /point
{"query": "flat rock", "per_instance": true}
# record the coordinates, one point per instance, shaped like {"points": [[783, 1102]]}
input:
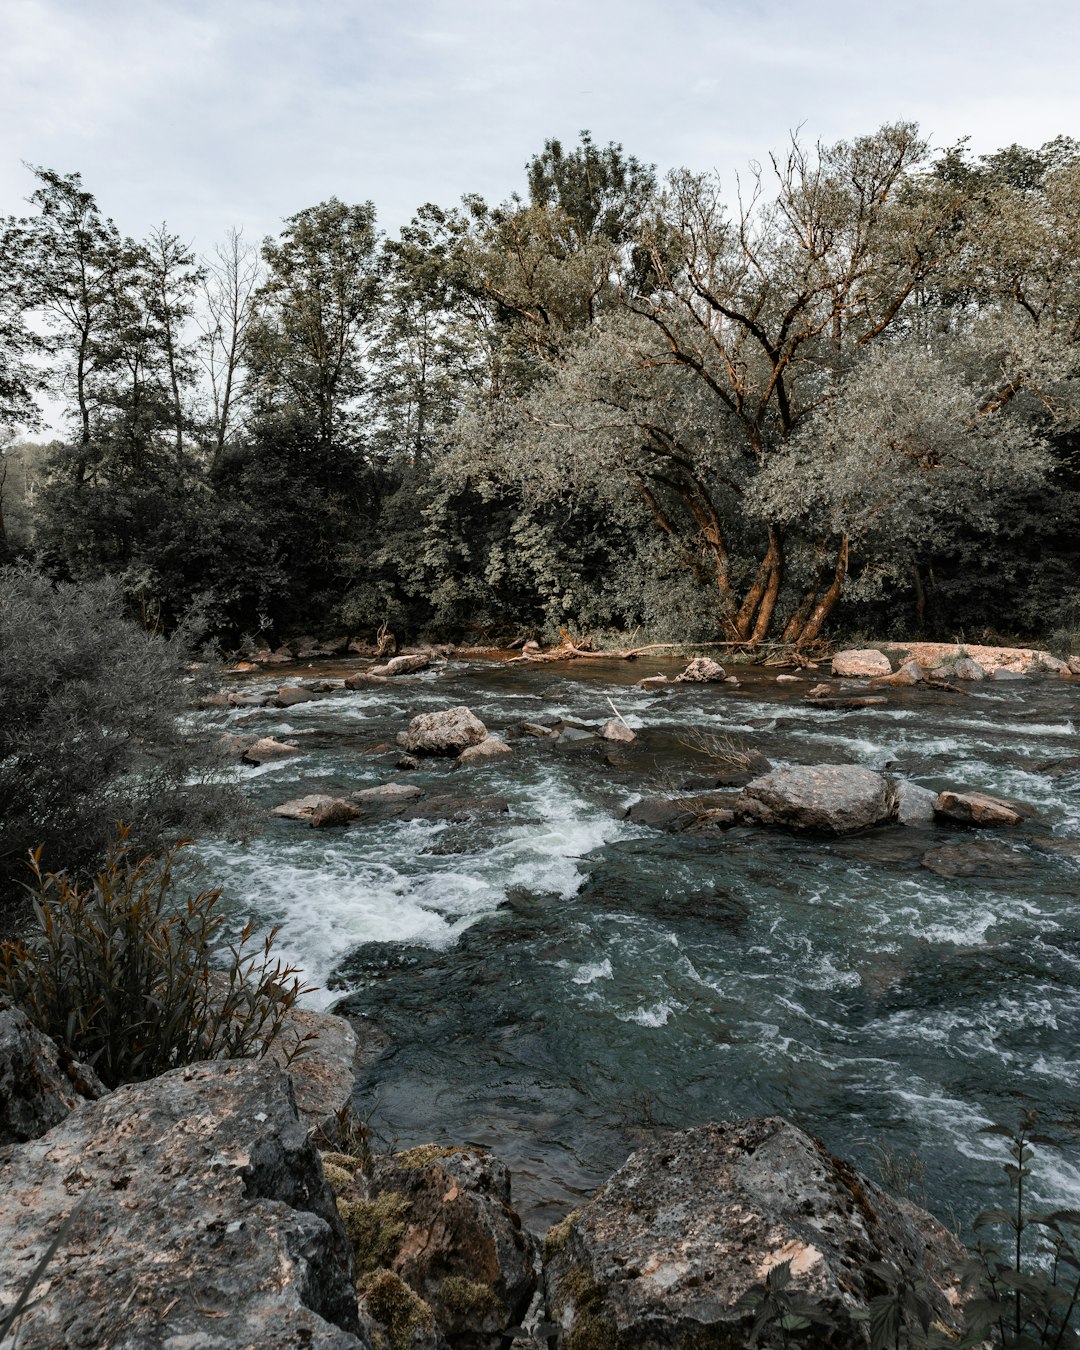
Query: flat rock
{"points": [[676, 814], [387, 792], [691, 1224], [207, 1221], [976, 808], [1004, 673], [318, 810], [830, 798], [402, 665], [653, 682], [455, 809], [359, 678], [491, 747], [289, 695], [789, 679], [862, 662], [443, 733], [538, 731], [39, 1086], [266, 749]]}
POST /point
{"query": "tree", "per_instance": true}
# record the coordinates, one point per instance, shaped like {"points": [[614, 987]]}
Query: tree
{"points": [[231, 280]]}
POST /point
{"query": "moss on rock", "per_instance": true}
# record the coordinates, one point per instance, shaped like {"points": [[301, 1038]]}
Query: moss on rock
{"points": [[425, 1154], [375, 1228], [469, 1299], [399, 1309]]}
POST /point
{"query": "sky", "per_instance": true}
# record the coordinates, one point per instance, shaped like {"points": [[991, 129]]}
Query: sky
{"points": [[210, 114]]}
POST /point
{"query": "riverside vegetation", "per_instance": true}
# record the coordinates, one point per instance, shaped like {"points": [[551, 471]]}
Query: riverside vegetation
{"points": [[848, 402]]}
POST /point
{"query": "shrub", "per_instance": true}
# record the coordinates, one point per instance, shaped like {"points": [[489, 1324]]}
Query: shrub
{"points": [[92, 729], [130, 978]]}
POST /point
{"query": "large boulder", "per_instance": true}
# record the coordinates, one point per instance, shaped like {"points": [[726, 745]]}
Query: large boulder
{"points": [[662, 1255], [439, 1221], [830, 798], [443, 733], [206, 1220], [323, 1073], [967, 669], [39, 1085], [914, 804], [319, 810], [976, 808], [860, 663]]}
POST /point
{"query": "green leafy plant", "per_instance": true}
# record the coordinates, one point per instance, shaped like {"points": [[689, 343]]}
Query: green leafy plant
{"points": [[780, 1311], [1025, 1290], [135, 980]]}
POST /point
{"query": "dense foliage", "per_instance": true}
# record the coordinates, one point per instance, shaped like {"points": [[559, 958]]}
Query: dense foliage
{"points": [[847, 392], [92, 729], [128, 976]]}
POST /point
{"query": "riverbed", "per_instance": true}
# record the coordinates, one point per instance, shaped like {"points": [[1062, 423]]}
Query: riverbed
{"points": [[558, 984]]}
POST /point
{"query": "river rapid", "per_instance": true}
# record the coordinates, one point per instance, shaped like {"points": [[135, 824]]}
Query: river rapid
{"points": [[558, 984]]}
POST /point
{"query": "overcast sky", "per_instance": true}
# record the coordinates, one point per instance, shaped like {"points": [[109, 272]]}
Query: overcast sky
{"points": [[213, 113]]}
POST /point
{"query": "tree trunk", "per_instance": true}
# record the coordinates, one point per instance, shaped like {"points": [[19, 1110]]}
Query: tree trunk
{"points": [[744, 620], [772, 590], [826, 604], [920, 600]]}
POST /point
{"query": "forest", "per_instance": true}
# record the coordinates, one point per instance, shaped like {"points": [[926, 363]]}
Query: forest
{"points": [[840, 393]]}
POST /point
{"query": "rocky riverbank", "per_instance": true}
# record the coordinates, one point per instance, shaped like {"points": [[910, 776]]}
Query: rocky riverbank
{"points": [[196, 1210]]}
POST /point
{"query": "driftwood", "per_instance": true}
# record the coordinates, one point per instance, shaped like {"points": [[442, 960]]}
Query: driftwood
{"points": [[569, 651]]}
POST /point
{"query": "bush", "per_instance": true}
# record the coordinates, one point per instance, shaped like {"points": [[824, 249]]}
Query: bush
{"points": [[92, 729], [128, 977]]}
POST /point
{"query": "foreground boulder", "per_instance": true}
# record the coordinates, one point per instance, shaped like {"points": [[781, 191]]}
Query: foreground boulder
{"points": [[663, 1253], [38, 1086], [976, 808], [829, 798], [440, 1250], [323, 1073], [443, 733], [207, 1220], [863, 662]]}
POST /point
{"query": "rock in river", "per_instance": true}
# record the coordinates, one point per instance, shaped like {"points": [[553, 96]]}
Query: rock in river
{"points": [[491, 747], [403, 665], [976, 808], [831, 798], [861, 663], [207, 1220], [443, 733], [689, 1225], [702, 670], [319, 811]]}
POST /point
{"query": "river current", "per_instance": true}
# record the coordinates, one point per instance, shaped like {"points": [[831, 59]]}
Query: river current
{"points": [[557, 983]]}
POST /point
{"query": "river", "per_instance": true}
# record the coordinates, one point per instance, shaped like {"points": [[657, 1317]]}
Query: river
{"points": [[558, 984]]}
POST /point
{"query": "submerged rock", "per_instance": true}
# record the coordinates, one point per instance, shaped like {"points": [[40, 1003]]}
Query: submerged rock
{"points": [[676, 814], [39, 1085], [831, 798], [860, 663], [207, 1220], [974, 858], [976, 808], [662, 1255], [443, 733], [289, 695]]}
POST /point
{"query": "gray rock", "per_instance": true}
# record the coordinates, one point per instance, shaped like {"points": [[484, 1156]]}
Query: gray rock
{"points": [[653, 682], [914, 804], [909, 673], [289, 695], [614, 730], [789, 679], [1004, 673], [974, 858], [831, 798], [862, 662], [662, 1254], [675, 814], [387, 792], [39, 1085], [537, 730], [207, 1220], [443, 733], [318, 810], [265, 750], [323, 1073], [702, 670], [976, 808], [361, 677], [255, 699], [966, 669], [235, 744], [402, 665], [491, 747]]}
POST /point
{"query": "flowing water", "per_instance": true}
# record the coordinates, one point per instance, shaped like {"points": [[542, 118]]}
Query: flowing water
{"points": [[557, 983]]}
